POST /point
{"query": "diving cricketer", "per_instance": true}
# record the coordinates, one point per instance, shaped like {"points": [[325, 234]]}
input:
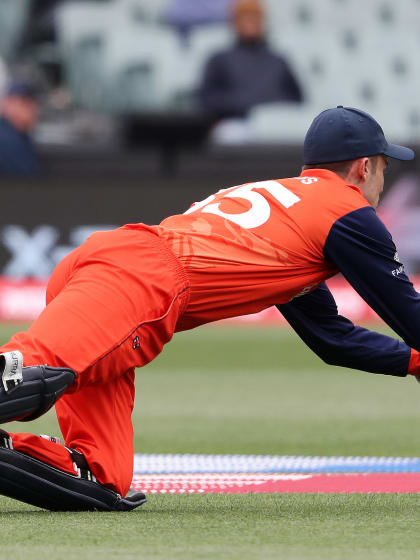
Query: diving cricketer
{"points": [[116, 300]]}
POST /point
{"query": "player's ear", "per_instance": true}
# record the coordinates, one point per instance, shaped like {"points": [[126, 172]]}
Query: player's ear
{"points": [[362, 168]]}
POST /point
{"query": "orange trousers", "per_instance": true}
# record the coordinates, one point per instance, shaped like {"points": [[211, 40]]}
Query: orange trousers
{"points": [[111, 306]]}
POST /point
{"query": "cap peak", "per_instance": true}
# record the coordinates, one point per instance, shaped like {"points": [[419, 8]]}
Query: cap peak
{"points": [[346, 135]]}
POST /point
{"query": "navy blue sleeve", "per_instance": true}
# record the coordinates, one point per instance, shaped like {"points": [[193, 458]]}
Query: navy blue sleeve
{"points": [[338, 342], [361, 247]]}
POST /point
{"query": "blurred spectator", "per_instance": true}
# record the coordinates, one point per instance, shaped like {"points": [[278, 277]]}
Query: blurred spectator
{"points": [[185, 14], [18, 116], [248, 73]]}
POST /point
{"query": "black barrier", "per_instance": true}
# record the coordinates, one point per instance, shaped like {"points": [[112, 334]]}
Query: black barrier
{"points": [[41, 220]]}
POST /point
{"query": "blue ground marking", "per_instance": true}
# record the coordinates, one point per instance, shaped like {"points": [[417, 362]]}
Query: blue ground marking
{"points": [[160, 463]]}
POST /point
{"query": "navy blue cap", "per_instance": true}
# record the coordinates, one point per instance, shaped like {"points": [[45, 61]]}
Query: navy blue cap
{"points": [[345, 133], [21, 88]]}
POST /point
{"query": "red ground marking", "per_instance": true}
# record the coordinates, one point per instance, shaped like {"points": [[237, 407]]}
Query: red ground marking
{"points": [[265, 483]]}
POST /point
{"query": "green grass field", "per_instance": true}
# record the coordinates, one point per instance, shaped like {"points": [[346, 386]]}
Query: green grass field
{"points": [[245, 390]]}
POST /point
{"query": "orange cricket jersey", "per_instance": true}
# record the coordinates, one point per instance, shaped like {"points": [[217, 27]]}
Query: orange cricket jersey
{"points": [[248, 247]]}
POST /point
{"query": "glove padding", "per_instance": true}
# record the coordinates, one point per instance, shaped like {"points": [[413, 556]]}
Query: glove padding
{"points": [[29, 392]]}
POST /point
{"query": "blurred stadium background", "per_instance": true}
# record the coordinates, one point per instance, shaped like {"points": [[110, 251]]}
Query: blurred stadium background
{"points": [[122, 136]]}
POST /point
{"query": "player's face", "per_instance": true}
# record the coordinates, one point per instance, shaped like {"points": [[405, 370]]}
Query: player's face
{"points": [[374, 179]]}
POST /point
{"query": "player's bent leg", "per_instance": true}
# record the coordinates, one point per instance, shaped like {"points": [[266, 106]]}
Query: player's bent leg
{"points": [[98, 469], [97, 422], [34, 481], [28, 392]]}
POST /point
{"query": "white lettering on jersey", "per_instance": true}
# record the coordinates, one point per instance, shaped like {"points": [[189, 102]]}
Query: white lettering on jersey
{"points": [[307, 180], [400, 269], [260, 210]]}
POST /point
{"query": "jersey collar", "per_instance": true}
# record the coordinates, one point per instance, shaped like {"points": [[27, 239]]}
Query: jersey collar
{"points": [[329, 176]]}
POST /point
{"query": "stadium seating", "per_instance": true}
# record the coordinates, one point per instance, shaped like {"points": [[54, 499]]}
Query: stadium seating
{"points": [[142, 67], [342, 58], [13, 16], [81, 28], [280, 122], [3, 76], [145, 11], [122, 56], [135, 63]]}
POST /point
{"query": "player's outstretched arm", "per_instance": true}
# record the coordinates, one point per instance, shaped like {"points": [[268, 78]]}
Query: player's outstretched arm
{"points": [[337, 341], [362, 248]]}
